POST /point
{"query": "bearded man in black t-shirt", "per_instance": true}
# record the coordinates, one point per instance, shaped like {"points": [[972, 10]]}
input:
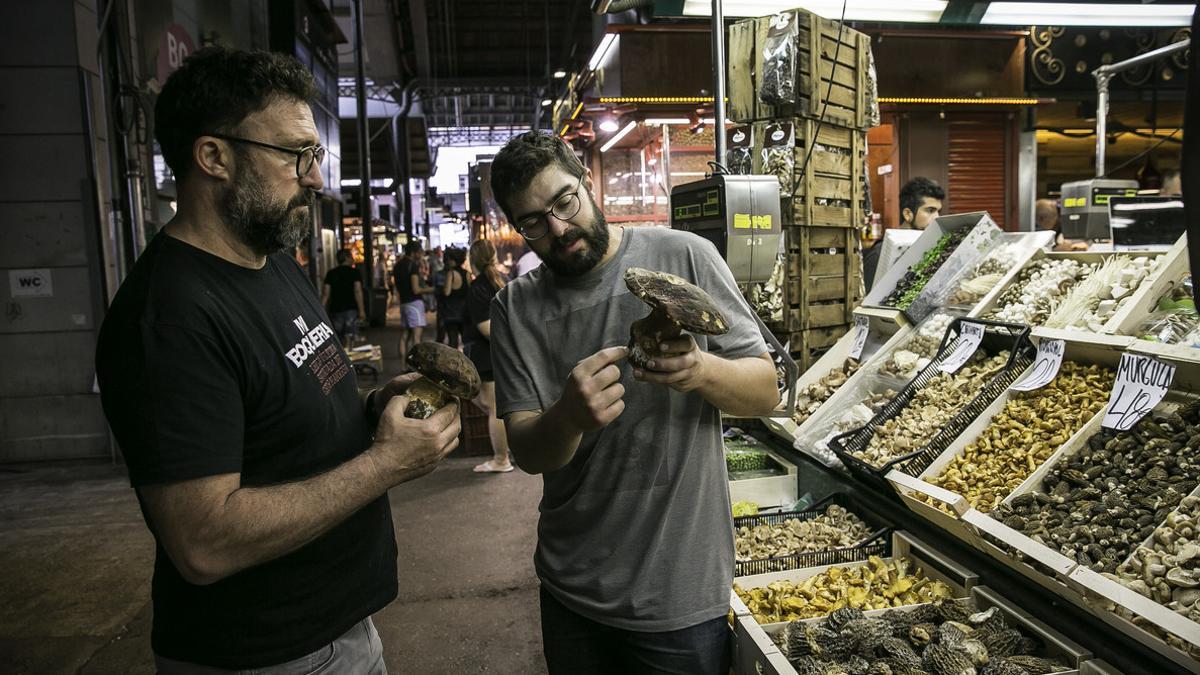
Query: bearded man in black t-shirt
{"points": [[259, 468]]}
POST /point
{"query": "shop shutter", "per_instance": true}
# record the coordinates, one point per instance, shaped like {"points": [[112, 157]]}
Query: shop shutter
{"points": [[976, 172]]}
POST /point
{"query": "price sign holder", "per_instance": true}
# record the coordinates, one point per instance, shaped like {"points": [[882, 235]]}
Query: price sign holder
{"points": [[862, 326], [1045, 367], [1141, 384], [968, 342]]}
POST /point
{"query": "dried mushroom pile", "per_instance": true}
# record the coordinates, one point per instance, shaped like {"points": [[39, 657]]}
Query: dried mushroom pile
{"points": [[1030, 428], [981, 280], [811, 397], [1038, 290], [942, 638], [904, 363], [1166, 569], [931, 408], [914, 280], [834, 529], [877, 584], [1098, 504], [1094, 300]]}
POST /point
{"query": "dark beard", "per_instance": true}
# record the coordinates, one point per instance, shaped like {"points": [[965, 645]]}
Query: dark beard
{"points": [[258, 220], [577, 264]]}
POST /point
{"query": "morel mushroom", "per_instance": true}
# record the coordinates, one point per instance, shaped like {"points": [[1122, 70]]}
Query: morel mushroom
{"points": [[445, 374], [677, 306]]}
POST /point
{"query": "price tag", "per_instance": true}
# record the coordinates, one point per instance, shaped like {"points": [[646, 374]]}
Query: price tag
{"points": [[1045, 368], [1141, 384], [862, 326], [968, 342]]}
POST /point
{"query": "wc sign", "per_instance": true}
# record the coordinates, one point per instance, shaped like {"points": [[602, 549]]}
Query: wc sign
{"points": [[30, 283]]}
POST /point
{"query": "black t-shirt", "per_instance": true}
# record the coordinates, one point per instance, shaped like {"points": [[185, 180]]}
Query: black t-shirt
{"points": [[341, 280], [479, 303], [209, 368], [403, 273]]}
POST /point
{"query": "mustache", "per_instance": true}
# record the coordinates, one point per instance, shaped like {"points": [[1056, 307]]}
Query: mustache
{"points": [[306, 198], [568, 238]]}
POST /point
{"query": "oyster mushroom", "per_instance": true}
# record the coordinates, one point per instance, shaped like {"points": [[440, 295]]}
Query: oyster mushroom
{"points": [[1177, 576], [677, 306], [445, 374]]}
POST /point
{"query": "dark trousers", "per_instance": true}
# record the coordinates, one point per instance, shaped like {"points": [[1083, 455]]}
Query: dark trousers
{"points": [[574, 645]]}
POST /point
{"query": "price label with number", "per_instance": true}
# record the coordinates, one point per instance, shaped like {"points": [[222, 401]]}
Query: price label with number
{"points": [[968, 342], [1141, 384], [862, 326], [1045, 368]]}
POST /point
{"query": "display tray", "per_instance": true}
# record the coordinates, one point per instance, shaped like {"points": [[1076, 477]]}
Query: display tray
{"points": [[982, 236], [878, 543], [1055, 646], [997, 337], [1026, 244], [1131, 313], [768, 491]]}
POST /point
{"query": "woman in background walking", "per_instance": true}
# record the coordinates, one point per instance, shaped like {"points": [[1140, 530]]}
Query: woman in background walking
{"points": [[452, 306], [477, 334]]}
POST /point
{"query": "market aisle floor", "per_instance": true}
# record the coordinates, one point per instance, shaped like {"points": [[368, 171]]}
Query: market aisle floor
{"points": [[76, 561]]}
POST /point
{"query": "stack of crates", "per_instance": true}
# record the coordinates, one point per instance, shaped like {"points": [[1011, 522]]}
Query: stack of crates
{"points": [[822, 189]]}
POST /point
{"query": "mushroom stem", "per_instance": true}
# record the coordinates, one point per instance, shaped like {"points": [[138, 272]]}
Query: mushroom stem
{"points": [[646, 334], [425, 398]]}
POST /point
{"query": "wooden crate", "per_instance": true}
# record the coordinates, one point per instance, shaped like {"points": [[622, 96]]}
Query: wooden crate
{"points": [[808, 346], [824, 281], [474, 440], [834, 173], [847, 95]]}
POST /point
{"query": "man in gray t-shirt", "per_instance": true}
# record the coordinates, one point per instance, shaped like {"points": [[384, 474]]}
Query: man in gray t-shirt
{"points": [[635, 541]]}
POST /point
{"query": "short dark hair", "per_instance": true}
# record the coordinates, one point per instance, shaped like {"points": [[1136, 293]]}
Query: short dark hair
{"points": [[214, 90], [914, 192], [524, 157], [413, 247], [344, 256]]}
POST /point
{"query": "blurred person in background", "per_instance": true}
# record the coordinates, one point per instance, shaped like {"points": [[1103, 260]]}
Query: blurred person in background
{"points": [[452, 306], [342, 296], [1172, 186], [1046, 218], [407, 276], [920, 203], [478, 335]]}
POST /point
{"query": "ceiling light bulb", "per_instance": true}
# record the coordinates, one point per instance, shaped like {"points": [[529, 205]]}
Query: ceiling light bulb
{"points": [[546, 102], [560, 74], [610, 125]]}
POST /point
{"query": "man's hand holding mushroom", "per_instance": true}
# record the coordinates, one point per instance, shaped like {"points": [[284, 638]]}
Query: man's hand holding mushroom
{"points": [[680, 365], [592, 396]]}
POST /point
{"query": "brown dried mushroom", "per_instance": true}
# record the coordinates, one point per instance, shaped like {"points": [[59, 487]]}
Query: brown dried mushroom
{"points": [[445, 374], [677, 306]]}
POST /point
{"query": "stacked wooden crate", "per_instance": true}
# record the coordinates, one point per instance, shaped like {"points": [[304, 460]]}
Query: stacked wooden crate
{"points": [[822, 185]]}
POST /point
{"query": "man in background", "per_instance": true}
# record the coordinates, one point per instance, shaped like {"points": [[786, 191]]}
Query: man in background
{"points": [[410, 286], [920, 203], [1046, 218], [342, 296], [1172, 186]]}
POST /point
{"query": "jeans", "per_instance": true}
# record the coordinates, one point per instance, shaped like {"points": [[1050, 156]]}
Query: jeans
{"points": [[357, 652], [345, 323], [579, 646]]}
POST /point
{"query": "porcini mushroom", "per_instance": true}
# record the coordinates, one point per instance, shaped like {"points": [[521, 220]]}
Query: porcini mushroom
{"points": [[677, 306], [445, 374]]}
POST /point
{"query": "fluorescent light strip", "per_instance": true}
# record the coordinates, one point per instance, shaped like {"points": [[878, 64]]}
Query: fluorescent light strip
{"points": [[666, 120], [916, 11], [601, 52], [618, 136], [1090, 14]]}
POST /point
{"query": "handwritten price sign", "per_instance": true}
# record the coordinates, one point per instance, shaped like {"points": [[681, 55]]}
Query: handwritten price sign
{"points": [[1141, 384], [1045, 368], [968, 342], [862, 325]]}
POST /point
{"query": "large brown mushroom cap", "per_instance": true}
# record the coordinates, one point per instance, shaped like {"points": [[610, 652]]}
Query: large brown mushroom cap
{"points": [[683, 302], [447, 368]]}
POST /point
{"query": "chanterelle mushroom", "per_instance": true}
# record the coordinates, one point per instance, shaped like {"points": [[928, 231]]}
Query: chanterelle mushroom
{"points": [[677, 306], [445, 373]]}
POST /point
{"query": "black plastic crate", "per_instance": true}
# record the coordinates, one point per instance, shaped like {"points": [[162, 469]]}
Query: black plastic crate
{"points": [[878, 543], [997, 337]]}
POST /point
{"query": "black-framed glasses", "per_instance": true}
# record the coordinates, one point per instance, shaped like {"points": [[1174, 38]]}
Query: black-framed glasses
{"points": [[306, 157], [565, 207]]}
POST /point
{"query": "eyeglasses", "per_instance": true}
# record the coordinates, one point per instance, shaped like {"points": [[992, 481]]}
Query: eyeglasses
{"points": [[306, 157], [567, 207]]}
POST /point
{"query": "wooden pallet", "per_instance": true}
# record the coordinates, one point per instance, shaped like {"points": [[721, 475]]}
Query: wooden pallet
{"points": [[847, 97], [834, 173], [824, 281]]}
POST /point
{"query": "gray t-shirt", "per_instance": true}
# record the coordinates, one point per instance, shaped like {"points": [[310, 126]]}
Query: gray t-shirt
{"points": [[635, 531]]}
